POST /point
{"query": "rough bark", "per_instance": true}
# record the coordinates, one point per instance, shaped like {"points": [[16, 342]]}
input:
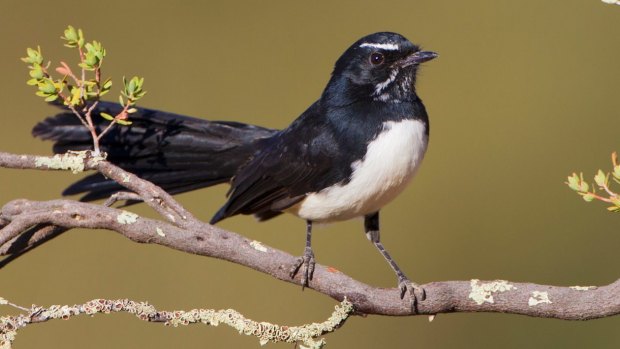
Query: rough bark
{"points": [[25, 224]]}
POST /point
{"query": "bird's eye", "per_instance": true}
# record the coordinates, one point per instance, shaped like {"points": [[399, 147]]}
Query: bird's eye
{"points": [[376, 58]]}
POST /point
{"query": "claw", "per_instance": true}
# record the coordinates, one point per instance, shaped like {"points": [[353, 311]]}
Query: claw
{"points": [[306, 264], [404, 284]]}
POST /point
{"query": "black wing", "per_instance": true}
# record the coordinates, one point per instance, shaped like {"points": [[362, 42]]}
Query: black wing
{"points": [[298, 160]]}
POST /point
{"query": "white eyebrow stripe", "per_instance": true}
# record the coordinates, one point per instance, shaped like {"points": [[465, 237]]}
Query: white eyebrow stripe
{"points": [[390, 47]]}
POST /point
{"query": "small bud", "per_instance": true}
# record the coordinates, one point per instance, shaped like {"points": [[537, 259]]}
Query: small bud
{"points": [[122, 116], [62, 71]]}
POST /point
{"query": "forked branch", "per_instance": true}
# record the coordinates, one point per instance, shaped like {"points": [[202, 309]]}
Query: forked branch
{"points": [[185, 233]]}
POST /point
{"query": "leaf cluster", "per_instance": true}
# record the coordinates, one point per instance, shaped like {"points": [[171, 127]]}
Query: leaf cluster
{"points": [[601, 181], [81, 92]]}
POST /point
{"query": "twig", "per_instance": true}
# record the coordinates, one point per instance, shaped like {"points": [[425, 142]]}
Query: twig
{"points": [[121, 196], [151, 194], [264, 331]]}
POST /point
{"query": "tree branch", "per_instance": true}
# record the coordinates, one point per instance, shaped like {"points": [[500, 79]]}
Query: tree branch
{"points": [[266, 332], [185, 233]]}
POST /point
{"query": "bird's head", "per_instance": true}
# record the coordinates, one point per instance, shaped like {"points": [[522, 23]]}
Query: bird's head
{"points": [[380, 67]]}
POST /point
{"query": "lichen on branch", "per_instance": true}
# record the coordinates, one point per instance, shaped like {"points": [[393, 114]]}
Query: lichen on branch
{"points": [[264, 331]]}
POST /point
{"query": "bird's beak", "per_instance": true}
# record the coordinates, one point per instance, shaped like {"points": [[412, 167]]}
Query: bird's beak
{"points": [[417, 58]]}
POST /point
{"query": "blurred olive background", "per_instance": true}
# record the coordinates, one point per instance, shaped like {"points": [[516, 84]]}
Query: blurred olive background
{"points": [[523, 94]]}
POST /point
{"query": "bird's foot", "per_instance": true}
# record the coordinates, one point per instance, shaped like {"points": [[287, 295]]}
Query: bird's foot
{"points": [[305, 264], [416, 292]]}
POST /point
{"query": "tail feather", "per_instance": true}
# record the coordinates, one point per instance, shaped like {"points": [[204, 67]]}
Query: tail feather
{"points": [[178, 153]]}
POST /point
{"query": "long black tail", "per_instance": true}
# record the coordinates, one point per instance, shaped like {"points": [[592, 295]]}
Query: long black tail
{"points": [[178, 153]]}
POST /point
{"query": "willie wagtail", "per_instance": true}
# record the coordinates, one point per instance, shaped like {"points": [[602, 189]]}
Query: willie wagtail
{"points": [[349, 154]]}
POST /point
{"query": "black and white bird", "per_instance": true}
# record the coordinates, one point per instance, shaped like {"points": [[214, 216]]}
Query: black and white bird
{"points": [[348, 155]]}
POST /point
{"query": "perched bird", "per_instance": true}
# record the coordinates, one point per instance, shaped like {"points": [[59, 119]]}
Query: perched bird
{"points": [[348, 155]]}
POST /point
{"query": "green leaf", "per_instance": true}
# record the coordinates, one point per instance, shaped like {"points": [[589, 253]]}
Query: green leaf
{"points": [[70, 34], [85, 66], [616, 172], [31, 52], [32, 82], [588, 197], [583, 186], [76, 96], [106, 116], [601, 178], [94, 55], [36, 72], [72, 37], [81, 39], [47, 86], [124, 122], [573, 182], [34, 57], [131, 88], [131, 110], [51, 98]]}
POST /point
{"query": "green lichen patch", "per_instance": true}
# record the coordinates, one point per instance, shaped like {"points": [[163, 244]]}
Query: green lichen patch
{"points": [[258, 246], [538, 297], [126, 217], [483, 292], [583, 288], [160, 232], [265, 331], [73, 161]]}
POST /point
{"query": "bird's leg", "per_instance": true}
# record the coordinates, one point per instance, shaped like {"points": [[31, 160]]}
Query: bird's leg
{"points": [[305, 262], [371, 225]]}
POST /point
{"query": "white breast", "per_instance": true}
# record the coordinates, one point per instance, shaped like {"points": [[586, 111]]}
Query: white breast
{"points": [[391, 161]]}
